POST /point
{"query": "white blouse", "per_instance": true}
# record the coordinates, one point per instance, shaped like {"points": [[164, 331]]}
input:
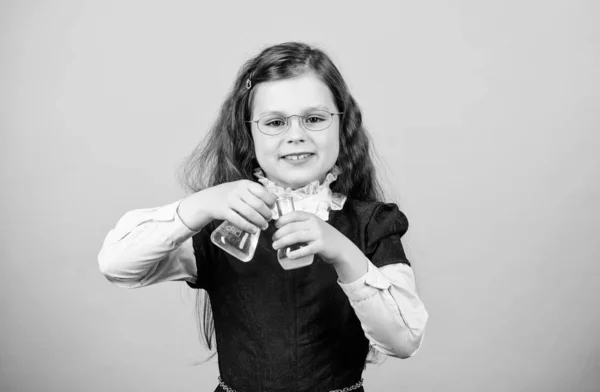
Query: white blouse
{"points": [[149, 246]]}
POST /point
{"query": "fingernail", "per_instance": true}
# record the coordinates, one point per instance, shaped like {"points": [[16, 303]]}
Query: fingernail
{"points": [[266, 226], [275, 245]]}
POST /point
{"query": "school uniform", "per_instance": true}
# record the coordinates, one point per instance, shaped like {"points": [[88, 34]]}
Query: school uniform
{"points": [[293, 330], [284, 330]]}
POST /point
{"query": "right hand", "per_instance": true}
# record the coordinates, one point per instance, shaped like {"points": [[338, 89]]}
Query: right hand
{"points": [[245, 204]]}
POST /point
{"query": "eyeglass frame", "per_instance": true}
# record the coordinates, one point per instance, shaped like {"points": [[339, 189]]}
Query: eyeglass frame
{"points": [[288, 122]]}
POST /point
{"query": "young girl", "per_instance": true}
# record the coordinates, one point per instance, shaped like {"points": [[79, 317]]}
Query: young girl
{"points": [[289, 126]]}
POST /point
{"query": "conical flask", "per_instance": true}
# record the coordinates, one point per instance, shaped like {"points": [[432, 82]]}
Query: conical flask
{"points": [[285, 204], [236, 242]]}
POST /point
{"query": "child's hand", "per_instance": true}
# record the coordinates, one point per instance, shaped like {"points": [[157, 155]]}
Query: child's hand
{"points": [[299, 227], [245, 204]]}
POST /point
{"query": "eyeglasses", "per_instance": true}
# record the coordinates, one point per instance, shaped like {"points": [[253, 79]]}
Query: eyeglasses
{"points": [[274, 124]]}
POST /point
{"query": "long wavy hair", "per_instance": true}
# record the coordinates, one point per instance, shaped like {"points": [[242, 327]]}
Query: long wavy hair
{"points": [[227, 152]]}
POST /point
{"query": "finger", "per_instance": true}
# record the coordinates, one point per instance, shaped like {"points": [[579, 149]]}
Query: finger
{"points": [[294, 216], [307, 250], [257, 204], [238, 221], [262, 193], [288, 229], [297, 237], [248, 213]]}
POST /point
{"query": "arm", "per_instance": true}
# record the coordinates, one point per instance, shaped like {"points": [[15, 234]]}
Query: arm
{"points": [[148, 246], [385, 301], [387, 305], [154, 245]]}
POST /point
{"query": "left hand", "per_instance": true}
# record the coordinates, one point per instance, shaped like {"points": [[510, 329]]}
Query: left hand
{"points": [[299, 227]]}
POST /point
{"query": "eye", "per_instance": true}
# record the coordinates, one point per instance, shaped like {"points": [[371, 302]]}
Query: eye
{"points": [[314, 119], [275, 122]]}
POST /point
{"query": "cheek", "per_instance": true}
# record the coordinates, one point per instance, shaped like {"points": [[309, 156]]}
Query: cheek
{"points": [[258, 142], [263, 147], [332, 143]]}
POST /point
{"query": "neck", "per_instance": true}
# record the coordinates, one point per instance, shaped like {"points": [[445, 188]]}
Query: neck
{"points": [[311, 188], [297, 186]]}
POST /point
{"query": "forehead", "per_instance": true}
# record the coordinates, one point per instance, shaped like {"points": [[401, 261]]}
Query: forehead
{"points": [[292, 95]]}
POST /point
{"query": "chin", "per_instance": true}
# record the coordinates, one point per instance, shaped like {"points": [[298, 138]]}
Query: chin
{"points": [[300, 181], [294, 178], [296, 183]]}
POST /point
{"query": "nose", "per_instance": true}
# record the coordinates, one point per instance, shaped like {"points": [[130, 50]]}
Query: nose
{"points": [[296, 131]]}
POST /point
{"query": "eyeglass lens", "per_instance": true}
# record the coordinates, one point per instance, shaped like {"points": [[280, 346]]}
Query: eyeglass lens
{"points": [[274, 124]]}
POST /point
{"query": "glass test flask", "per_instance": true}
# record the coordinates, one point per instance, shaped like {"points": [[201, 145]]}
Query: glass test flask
{"points": [[236, 242], [285, 204]]}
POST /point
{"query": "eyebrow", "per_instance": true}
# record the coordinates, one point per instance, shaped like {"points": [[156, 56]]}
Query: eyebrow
{"points": [[308, 109]]}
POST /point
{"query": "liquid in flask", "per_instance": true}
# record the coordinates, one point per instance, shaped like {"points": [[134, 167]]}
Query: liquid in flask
{"points": [[235, 241], [285, 204]]}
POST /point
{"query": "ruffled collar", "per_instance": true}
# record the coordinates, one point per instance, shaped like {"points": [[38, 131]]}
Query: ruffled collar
{"points": [[315, 197]]}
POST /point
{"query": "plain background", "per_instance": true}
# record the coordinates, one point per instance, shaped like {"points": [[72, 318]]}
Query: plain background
{"points": [[486, 114]]}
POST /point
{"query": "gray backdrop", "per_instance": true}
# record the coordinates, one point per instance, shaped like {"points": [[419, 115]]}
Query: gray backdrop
{"points": [[486, 115]]}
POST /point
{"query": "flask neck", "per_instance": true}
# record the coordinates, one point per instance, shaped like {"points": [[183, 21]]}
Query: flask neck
{"points": [[285, 204]]}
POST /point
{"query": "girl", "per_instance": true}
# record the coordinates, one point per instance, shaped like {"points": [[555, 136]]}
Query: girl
{"points": [[290, 123]]}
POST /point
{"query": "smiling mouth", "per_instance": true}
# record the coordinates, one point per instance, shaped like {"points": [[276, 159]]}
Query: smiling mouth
{"points": [[296, 157]]}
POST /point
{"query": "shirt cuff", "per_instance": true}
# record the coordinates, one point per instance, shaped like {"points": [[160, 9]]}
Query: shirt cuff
{"points": [[173, 227], [367, 285]]}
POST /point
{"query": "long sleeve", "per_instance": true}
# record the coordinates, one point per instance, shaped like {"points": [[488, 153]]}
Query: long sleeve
{"points": [[391, 313], [148, 246]]}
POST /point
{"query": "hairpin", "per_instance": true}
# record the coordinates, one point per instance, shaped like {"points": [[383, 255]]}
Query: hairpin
{"points": [[248, 84]]}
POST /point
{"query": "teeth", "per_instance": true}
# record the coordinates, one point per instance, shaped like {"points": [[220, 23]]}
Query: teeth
{"points": [[296, 157]]}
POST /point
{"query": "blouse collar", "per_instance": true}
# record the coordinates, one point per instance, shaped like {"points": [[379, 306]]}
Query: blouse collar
{"points": [[314, 197]]}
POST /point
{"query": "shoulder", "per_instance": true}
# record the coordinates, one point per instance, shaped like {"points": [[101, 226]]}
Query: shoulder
{"points": [[370, 220], [377, 228], [376, 213]]}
